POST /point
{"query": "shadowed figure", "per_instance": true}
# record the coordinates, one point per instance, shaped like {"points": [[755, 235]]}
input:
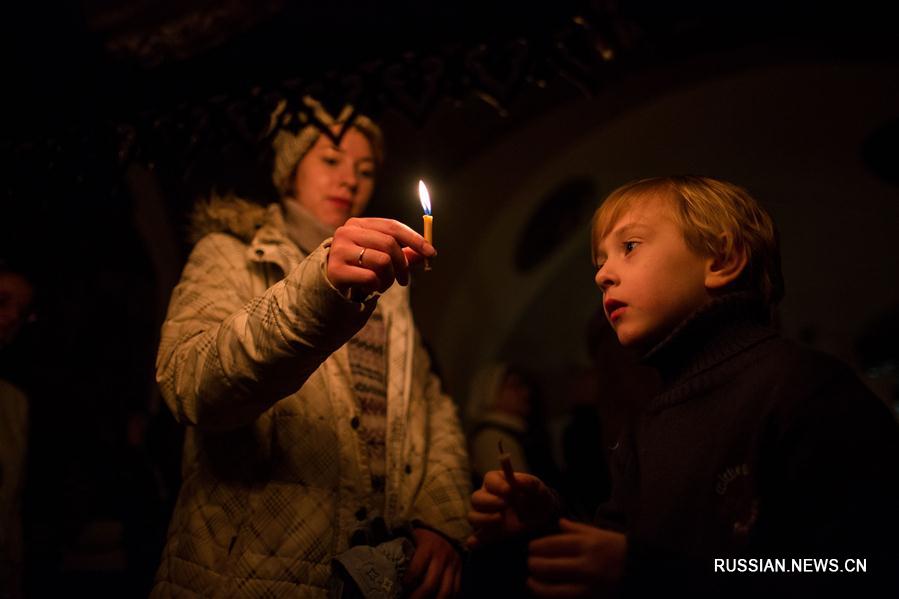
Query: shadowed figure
{"points": [[16, 295]]}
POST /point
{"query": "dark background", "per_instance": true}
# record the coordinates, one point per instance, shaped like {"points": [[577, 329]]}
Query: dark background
{"points": [[118, 115]]}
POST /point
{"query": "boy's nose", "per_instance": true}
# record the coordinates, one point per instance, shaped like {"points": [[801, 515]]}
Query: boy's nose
{"points": [[604, 278]]}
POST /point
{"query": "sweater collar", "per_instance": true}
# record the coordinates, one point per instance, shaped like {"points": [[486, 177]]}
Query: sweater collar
{"points": [[712, 334], [303, 228]]}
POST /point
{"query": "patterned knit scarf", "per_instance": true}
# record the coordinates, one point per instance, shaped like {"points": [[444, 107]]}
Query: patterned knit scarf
{"points": [[367, 351]]}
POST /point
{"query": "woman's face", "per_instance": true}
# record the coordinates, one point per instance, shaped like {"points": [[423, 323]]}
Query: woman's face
{"points": [[335, 182]]}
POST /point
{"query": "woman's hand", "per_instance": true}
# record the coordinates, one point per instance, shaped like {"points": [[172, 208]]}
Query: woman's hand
{"points": [[369, 254], [500, 510], [580, 561], [436, 568]]}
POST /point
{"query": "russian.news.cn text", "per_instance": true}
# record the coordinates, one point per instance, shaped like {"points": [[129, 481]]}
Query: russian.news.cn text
{"points": [[809, 565]]}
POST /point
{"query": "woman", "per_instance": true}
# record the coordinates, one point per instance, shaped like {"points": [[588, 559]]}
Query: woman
{"points": [[311, 411]]}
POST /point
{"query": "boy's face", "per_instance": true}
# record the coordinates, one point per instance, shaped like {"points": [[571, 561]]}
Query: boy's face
{"points": [[650, 279]]}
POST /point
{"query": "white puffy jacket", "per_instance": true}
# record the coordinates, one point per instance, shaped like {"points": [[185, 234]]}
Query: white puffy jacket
{"points": [[275, 478]]}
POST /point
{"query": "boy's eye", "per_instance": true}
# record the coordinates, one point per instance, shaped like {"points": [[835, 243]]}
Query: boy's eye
{"points": [[368, 174], [331, 160], [630, 246]]}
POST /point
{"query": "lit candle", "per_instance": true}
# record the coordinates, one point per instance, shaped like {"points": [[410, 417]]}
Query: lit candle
{"points": [[426, 217]]}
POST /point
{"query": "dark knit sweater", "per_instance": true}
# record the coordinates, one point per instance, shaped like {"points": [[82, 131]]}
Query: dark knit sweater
{"points": [[755, 448]]}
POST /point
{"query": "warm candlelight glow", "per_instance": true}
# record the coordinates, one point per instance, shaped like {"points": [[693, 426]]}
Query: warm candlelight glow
{"points": [[425, 197], [427, 219]]}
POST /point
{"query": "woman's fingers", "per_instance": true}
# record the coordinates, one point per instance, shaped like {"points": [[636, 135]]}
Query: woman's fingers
{"points": [[360, 279], [412, 257], [385, 247], [383, 253], [404, 235], [417, 569], [428, 586], [447, 581], [381, 264]]}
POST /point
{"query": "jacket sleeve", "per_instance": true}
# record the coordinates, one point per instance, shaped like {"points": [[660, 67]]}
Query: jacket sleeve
{"points": [[442, 502], [226, 356]]}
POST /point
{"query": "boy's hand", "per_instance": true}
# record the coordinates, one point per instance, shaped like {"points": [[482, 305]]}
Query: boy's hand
{"points": [[500, 510], [580, 561], [436, 568]]}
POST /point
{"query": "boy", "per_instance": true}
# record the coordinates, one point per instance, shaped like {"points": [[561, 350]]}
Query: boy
{"points": [[756, 457]]}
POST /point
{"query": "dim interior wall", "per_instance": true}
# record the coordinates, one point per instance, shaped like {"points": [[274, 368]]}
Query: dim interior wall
{"points": [[791, 134]]}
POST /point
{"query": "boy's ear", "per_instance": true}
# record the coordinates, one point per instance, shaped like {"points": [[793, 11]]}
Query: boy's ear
{"points": [[723, 270]]}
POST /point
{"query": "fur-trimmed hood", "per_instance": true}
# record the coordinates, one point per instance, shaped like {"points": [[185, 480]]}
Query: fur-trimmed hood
{"points": [[226, 214], [246, 220]]}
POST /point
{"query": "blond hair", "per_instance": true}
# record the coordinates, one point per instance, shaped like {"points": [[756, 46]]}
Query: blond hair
{"points": [[290, 147], [717, 218]]}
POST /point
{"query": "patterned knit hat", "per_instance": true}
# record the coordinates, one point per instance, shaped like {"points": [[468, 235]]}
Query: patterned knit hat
{"points": [[295, 131]]}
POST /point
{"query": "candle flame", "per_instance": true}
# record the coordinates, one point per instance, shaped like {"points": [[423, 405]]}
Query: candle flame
{"points": [[425, 197]]}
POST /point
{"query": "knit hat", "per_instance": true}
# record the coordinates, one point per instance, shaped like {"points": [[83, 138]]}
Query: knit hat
{"points": [[295, 131]]}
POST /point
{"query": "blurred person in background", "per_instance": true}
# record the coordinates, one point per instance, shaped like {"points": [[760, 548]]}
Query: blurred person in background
{"points": [[16, 299]]}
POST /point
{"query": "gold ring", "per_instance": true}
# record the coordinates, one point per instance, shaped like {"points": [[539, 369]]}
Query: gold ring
{"points": [[359, 259]]}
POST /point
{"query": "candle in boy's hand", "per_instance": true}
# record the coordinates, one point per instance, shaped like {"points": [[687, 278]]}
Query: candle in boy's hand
{"points": [[505, 462], [427, 218]]}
